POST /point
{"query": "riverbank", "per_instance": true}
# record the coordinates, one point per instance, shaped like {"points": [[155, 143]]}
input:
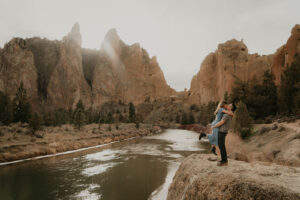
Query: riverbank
{"points": [[17, 141]]}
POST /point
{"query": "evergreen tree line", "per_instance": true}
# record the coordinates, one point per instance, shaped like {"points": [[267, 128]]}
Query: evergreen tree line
{"points": [[260, 100], [203, 114], [263, 99], [19, 110]]}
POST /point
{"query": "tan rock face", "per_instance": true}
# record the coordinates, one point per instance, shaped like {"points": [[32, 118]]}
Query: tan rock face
{"points": [[126, 73], [220, 70], [284, 55], [61, 72], [67, 84], [16, 66], [231, 61]]}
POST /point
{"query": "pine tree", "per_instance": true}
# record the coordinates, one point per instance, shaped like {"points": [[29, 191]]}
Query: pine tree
{"points": [[131, 112], [184, 118], [242, 121], [21, 106], [191, 118], [79, 115], [35, 122], [289, 88], [6, 112], [137, 124], [261, 99], [226, 96], [177, 118], [109, 118], [239, 91]]}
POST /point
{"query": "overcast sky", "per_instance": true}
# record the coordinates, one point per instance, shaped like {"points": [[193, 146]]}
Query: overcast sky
{"points": [[179, 32]]}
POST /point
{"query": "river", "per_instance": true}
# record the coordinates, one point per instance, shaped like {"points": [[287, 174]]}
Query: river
{"points": [[135, 169]]}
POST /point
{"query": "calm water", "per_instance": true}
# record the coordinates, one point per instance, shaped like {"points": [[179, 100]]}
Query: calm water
{"points": [[135, 169]]}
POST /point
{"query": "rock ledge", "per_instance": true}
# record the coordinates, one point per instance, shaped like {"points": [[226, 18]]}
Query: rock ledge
{"points": [[198, 178]]}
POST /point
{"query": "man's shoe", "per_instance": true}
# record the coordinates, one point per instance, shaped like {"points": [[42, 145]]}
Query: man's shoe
{"points": [[213, 150], [202, 135], [222, 163]]}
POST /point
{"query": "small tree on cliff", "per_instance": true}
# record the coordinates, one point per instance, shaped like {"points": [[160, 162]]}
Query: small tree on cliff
{"points": [[131, 112], [6, 113], [184, 118], [226, 96], [289, 90], [35, 122], [191, 118], [241, 122], [109, 118], [79, 115], [21, 106]]}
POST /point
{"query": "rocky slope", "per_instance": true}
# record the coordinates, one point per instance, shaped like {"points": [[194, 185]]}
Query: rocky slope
{"points": [[231, 61], [60, 73], [198, 178]]}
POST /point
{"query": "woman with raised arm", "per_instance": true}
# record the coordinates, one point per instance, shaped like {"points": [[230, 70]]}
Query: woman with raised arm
{"points": [[213, 137]]}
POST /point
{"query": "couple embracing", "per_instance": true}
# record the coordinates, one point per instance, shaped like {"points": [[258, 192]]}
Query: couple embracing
{"points": [[220, 127]]}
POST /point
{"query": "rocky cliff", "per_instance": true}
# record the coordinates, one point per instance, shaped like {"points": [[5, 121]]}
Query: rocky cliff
{"points": [[16, 66], [219, 71], [231, 61], [60, 73], [284, 55], [126, 73], [198, 178]]}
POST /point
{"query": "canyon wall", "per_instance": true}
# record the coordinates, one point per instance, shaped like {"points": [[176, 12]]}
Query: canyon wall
{"points": [[60, 73], [231, 61]]}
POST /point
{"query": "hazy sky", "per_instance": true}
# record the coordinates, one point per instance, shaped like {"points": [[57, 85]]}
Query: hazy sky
{"points": [[179, 32]]}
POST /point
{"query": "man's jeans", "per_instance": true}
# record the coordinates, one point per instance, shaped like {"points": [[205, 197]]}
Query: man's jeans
{"points": [[221, 141]]}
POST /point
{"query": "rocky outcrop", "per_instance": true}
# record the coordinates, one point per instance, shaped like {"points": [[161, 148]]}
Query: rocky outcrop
{"points": [[126, 73], [16, 66], [60, 73], [67, 85], [231, 62], [49, 70], [219, 71], [284, 55], [198, 178]]}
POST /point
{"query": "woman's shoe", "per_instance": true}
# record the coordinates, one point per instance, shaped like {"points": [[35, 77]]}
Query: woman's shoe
{"points": [[202, 135], [222, 163], [213, 150]]}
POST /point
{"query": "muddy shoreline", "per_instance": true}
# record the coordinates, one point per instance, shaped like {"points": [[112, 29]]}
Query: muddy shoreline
{"points": [[18, 143]]}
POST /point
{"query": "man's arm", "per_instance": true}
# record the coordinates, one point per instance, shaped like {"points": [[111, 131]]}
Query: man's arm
{"points": [[220, 123], [227, 112]]}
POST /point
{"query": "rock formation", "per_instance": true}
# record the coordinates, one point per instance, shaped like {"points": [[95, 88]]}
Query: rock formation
{"points": [[198, 178], [219, 71], [126, 73], [60, 73], [284, 55], [231, 61], [67, 84], [16, 66]]}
